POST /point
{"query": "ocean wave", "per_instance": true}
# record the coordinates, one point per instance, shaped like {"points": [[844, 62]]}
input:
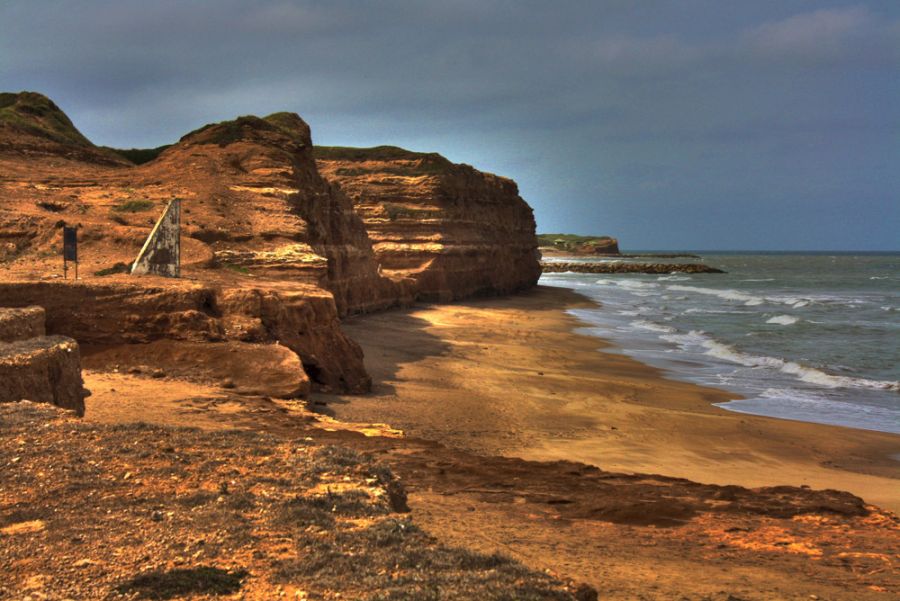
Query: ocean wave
{"points": [[674, 278], [709, 311], [783, 320], [652, 327], [759, 280], [726, 294], [636, 284], [811, 375], [751, 300], [790, 403]]}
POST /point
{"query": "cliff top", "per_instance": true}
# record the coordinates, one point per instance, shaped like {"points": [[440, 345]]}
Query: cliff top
{"points": [[251, 128], [35, 114]]}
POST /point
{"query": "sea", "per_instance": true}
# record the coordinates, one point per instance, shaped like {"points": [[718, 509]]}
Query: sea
{"points": [[813, 337]]}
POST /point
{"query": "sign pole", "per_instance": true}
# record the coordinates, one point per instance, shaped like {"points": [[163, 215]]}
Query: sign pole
{"points": [[70, 250]]}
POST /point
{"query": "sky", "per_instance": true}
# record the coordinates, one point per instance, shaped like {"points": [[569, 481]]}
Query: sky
{"points": [[688, 124]]}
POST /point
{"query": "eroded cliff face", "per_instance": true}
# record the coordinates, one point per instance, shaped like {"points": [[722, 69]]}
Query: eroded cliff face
{"points": [[273, 252], [452, 230]]}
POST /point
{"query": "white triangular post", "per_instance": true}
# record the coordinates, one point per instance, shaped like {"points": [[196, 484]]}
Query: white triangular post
{"points": [[161, 253]]}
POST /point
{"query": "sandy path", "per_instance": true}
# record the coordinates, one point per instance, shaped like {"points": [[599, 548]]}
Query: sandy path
{"points": [[509, 376]]}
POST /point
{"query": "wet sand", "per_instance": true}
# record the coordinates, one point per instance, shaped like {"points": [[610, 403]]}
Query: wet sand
{"points": [[512, 376]]}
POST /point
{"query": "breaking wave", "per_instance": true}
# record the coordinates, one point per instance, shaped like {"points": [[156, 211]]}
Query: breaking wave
{"points": [[783, 320], [811, 375]]}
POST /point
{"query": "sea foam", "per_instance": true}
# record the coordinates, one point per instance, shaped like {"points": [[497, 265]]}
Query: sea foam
{"points": [[783, 320], [811, 375]]}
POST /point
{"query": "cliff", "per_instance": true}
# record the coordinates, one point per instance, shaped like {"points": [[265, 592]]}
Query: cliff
{"points": [[263, 232], [452, 230]]}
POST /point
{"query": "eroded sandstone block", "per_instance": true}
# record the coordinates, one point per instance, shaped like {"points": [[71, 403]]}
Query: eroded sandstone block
{"points": [[46, 369], [21, 324]]}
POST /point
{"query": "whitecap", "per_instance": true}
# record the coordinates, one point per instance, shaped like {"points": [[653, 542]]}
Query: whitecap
{"points": [[674, 278], [652, 327], [636, 284], [783, 320], [717, 349], [726, 294]]}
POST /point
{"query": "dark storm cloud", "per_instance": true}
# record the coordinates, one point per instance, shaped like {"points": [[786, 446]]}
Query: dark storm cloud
{"points": [[671, 124]]}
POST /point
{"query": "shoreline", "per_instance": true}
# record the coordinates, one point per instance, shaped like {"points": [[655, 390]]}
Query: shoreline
{"points": [[547, 392]]}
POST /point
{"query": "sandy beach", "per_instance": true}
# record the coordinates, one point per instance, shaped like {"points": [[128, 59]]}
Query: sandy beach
{"points": [[500, 398], [512, 376]]}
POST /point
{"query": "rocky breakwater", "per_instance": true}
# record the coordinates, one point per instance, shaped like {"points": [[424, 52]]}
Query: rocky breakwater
{"points": [[617, 267], [449, 229], [37, 367]]}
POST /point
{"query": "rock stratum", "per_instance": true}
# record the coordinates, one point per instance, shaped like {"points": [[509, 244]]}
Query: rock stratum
{"points": [[450, 230], [277, 246], [35, 366]]}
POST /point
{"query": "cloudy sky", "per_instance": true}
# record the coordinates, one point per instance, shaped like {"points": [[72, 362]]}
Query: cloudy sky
{"points": [[688, 124]]}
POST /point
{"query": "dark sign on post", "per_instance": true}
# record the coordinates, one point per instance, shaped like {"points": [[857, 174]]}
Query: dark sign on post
{"points": [[70, 249]]}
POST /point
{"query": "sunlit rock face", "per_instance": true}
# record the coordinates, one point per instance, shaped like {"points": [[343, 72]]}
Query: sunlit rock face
{"points": [[451, 229], [270, 250]]}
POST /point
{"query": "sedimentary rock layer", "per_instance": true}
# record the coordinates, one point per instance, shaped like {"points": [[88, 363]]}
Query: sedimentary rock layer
{"points": [[302, 319], [277, 252], [451, 230], [21, 324], [36, 367], [45, 369]]}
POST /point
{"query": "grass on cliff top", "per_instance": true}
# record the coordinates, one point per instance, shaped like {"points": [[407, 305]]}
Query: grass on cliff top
{"points": [[228, 132], [37, 115], [420, 163], [133, 206], [570, 240], [376, 153], [138, 156]]}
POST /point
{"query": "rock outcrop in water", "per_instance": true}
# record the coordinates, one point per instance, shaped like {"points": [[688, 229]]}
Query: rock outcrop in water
{"points": [[617, 267], [451, 230], [276, 253], [571, 244]]}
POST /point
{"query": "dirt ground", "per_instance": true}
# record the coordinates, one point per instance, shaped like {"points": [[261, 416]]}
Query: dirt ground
{"points": [[493, 394]]}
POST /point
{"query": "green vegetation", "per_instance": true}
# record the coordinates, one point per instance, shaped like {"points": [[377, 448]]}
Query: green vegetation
{"points": [[573, 241], [291, 124], [133, 206], [138, 156], [117, 268], [426, 163], [228, 132], [236, 268], [34, 113]]}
